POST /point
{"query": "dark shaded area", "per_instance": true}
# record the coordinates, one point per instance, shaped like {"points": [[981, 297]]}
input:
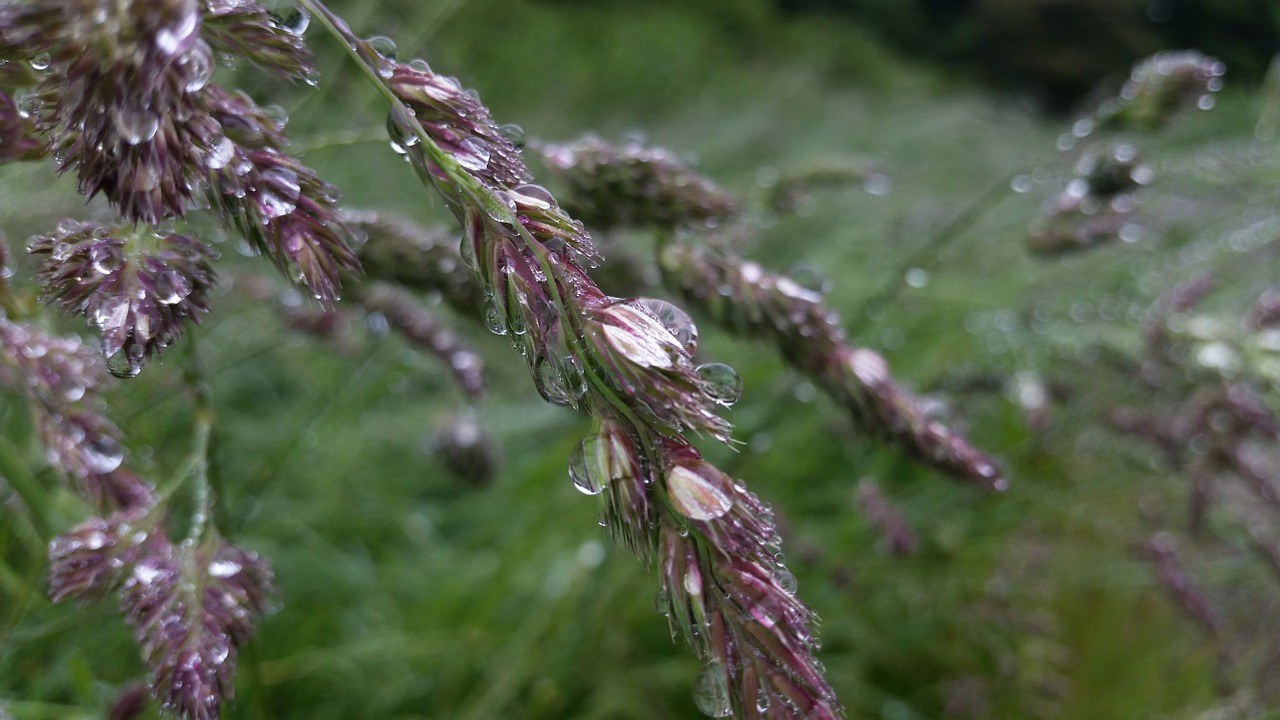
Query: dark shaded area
{"points": [[1059, 49]]}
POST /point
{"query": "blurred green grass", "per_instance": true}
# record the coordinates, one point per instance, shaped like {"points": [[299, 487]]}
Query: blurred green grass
{"points": [[407, 594]]}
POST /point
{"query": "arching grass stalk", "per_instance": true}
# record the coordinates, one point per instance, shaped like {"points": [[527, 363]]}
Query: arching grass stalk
{"points": [[628, 363]]}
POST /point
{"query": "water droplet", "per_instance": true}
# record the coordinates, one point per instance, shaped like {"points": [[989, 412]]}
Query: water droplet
{"points": [[494, 319], [383, 45], [171, 40], [513, 134], [696, 496], [809, 277], [723, 383], [785, 579], [172, 287], [105, 258], [534, 196], [278, 193], [675, 320], [1021, 183], [198, 66], [917, 277], [588, 466], [102, 454], [473, 154], [135, 125], [40, 61], [221, 150], [275, 115], [295, 21], [711, 691], [661, 602], [877, 183], [28, 103], [224, 568]]}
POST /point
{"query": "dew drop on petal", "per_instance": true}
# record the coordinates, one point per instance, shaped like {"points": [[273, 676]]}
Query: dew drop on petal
{"points": [[785, 579], [172, 287], [383, 45], [473, 154], [535, 196], [675, 320], [40, 61], [513, 134], [198, 66], [102, 454], [723, 383], [809, 277], [295, 21], [221, 150], [695, 496], [105, 259], [493, 319], [224, 568], [278, 194], [587, 467], [136, 125], [711, 691]]}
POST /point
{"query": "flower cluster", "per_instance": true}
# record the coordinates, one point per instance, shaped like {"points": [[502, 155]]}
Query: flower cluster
{"points": [[139, 299], [648, 187], [190, 605], [1097, 204], [1162, 85], [745, 298], [634, 184], [121, 94], [628, 364]]}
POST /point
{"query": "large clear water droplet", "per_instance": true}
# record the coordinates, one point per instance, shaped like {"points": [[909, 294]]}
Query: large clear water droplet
{"points": [[494, 319], [295, 21], [809, 277], [136, 125], [105, 259], [221, 150], [588, 467], [102, 454], [278, 193], [513, 134], [675, 320], [198, 66], [711, 691], [696, 496], [533, 196], [473, 154], [722, 382], [172, 287], [384, 46]]}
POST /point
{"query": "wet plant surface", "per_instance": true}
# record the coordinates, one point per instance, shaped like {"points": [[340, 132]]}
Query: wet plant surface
{"points": [[897, 281]]}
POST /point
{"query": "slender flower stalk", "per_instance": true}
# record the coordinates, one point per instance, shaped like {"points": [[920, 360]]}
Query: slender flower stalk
{"points": [[638, 186], [633, 184], [885, 517], [419, 326], [746, 299], [422, 260], [627, 363]]}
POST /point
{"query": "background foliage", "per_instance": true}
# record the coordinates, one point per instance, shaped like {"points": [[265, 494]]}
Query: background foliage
{"points": [[410, 593]]}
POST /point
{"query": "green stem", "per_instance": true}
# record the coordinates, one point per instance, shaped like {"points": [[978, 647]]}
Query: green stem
{"points": [[927, 256], [18, 476]]}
